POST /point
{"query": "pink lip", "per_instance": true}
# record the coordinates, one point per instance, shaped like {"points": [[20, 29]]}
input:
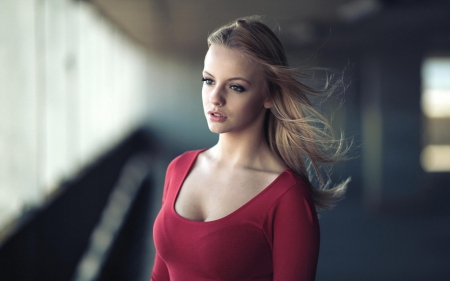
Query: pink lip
{"points": [[212, 116]]}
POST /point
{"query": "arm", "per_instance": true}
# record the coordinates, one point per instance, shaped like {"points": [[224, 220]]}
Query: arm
{"points": [[295, 236], [160, 271]]}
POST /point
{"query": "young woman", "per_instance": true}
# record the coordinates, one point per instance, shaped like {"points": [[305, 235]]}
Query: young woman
{"points": [[245, 209]]}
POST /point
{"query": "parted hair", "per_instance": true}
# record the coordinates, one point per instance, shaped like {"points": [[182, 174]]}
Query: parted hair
{"points": [[295, 130]]}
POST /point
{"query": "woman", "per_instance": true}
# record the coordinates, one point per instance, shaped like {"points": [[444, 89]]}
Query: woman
{"points": [[245, 209]]}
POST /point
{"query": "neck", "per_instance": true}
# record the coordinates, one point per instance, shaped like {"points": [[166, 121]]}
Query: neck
{"points": [[242, 150]]}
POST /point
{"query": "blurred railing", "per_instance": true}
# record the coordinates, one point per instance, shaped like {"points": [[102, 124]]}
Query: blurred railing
{"points": [[76, 234]]}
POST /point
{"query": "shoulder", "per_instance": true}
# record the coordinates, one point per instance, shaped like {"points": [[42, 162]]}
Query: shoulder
{"points": [[292, 215], [293, 197], [178, 168], [292, 184], [184, 160]]}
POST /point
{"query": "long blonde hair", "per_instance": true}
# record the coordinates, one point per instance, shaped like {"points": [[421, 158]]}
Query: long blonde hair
{"points": [[294, 129]]}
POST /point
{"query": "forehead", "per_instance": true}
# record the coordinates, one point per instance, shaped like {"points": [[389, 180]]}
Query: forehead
{"points": [[221, 60]]}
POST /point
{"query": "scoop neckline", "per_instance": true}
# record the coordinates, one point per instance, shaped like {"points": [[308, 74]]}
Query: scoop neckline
{"points": [[254, 198]]}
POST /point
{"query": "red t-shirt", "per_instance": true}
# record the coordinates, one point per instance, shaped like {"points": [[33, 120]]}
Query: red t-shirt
{"points": [[274, 236]]}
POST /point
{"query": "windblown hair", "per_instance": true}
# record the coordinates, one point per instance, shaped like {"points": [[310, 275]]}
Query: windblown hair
{"points": [[295, 130]]}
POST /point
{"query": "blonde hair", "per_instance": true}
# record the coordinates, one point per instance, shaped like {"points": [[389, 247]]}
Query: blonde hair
{"points": [[295, 130]]}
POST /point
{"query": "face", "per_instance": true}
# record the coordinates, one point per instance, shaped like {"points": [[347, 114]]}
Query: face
{"points": [[233, 92]]}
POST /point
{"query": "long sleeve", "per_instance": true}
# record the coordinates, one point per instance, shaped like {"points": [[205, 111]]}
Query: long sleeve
{"points": [[160, 271], [293, 225]]}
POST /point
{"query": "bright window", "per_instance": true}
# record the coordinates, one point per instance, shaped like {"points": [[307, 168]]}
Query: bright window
{"points": [[436, 108]]}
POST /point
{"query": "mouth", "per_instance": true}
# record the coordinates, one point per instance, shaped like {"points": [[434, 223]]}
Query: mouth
{"points": [[216, 114]]}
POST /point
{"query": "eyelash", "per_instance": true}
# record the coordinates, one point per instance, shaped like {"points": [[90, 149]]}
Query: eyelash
{"points": [[207, 80], [236, 88]]}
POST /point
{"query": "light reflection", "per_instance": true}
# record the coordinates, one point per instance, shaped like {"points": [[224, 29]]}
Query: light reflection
{"points": [[436, 158], [436, 103], [436, 87]]}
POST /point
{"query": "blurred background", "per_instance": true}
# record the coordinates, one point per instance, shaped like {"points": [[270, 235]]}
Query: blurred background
{"points": [[96, 98]]}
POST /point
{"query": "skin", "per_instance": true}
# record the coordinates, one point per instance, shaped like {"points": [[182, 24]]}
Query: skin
{"points": [[241, 165]]}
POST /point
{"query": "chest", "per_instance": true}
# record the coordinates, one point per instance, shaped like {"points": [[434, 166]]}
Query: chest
{"points": [[211, 195], [234, 248]]}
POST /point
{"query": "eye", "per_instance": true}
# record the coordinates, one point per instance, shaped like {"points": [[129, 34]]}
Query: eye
{"points": [[237, 88], [207, 81]]}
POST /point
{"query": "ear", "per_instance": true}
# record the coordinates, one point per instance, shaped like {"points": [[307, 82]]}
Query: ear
{"points": [[268, 103], [267, 96]]}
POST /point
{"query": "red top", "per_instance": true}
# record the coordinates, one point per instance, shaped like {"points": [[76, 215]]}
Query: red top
{"points": [[274, 236]]}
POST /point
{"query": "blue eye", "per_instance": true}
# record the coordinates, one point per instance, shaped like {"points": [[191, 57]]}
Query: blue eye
{"points": [[237, 88], [207, 81]]}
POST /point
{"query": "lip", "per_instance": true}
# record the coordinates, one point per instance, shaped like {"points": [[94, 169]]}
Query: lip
{"points": [[212, 116]]}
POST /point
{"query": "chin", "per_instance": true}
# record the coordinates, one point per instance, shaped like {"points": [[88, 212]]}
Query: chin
{"points": [[216, 129]]}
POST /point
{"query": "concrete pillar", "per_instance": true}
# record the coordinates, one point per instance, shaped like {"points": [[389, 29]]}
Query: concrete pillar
{"points": [[391, 125]]}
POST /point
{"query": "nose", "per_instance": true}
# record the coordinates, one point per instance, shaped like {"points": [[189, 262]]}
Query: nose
{"points": [[216, 96]]}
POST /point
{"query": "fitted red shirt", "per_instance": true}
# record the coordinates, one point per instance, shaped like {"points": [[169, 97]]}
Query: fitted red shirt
{"points": [[274, 236]]}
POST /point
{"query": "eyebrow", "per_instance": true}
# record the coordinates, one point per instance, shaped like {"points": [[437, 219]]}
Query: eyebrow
{"points": [[231, 79]]}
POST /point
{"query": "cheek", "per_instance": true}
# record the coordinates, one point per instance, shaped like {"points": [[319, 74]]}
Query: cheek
{"points": [[204, 96], [251, 108], [255, 108], [256, 103]]}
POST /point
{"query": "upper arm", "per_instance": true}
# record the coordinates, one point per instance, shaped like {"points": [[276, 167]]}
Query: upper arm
{"points": [[160, 271], [295, 237]]}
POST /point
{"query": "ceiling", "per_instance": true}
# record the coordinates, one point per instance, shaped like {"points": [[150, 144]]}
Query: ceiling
{"points": [[181, 27]]}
